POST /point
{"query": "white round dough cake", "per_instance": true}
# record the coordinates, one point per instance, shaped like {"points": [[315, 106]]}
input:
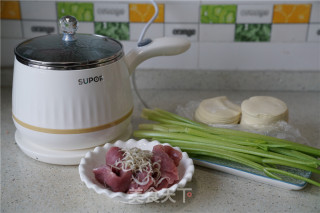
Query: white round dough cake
{"points": [[263, 110], [218, 110]]}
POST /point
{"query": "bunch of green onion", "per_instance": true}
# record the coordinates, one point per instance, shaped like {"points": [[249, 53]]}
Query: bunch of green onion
{"points": [[260, 152]]}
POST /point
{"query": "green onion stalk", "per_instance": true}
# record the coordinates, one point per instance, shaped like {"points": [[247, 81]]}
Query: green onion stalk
{"points": [[260, 152]]}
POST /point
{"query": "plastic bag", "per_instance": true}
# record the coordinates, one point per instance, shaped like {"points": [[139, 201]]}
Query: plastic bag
{"points": [[281, 129]]}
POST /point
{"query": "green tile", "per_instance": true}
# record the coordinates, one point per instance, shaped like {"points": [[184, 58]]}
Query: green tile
{"points": [[253, 32], [82, 11], [218, 14], [116, 30]]}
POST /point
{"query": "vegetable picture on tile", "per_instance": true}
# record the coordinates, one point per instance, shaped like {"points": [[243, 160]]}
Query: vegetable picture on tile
{"points": [[252, 32], [116, 30], [82, 11], [218, 14]]}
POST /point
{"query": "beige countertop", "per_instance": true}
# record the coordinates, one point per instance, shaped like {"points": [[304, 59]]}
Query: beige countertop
{"points": [[31, 186]]}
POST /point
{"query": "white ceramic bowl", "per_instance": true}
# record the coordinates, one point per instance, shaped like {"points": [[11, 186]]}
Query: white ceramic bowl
{"points": [[96, 158]]}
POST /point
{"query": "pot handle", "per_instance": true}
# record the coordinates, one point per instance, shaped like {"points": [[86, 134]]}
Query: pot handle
{"points": [[165, 46]]}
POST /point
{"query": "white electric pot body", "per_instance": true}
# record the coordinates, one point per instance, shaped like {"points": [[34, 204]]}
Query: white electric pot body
{"points": [[78, 109], [71, 109], [73, 92]]}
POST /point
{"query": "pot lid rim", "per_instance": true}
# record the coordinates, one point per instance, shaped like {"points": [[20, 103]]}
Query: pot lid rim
{"points": [[64, 65], [70, 65]]}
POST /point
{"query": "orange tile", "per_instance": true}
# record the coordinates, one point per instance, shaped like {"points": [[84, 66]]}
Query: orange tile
{"points": [[291, 13], [144, 12], [10, 10]]}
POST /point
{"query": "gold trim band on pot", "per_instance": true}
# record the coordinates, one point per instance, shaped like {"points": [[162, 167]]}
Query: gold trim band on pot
{"points": [[73, 131]]}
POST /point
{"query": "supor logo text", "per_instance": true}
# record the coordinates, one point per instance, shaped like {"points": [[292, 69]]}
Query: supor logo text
{"points": [[89, 80]]}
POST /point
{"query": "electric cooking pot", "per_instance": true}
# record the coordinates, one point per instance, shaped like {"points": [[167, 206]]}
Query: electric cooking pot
{"points": [[72, 91]]}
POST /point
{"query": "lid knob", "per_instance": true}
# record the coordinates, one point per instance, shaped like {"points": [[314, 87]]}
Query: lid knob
{"points": [[69, 26]]}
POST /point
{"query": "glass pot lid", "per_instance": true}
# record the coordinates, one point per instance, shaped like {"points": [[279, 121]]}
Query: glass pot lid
{"points": [[69, 50]]}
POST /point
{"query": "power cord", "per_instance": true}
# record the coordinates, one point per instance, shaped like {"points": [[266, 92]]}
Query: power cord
{"points": [[142, 42]]}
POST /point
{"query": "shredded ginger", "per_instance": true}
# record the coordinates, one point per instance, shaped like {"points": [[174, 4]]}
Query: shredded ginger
{"points": [[138, 160]]}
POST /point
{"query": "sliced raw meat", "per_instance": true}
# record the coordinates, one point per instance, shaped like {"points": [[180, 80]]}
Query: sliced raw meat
{"points": [[164, 161], [168, 168], [163, 184], [114, 154], [117, 182], [137, 188], [174, 154]]}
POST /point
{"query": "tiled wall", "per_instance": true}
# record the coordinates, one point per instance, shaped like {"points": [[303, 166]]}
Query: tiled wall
{"points": [[225, 35]]}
